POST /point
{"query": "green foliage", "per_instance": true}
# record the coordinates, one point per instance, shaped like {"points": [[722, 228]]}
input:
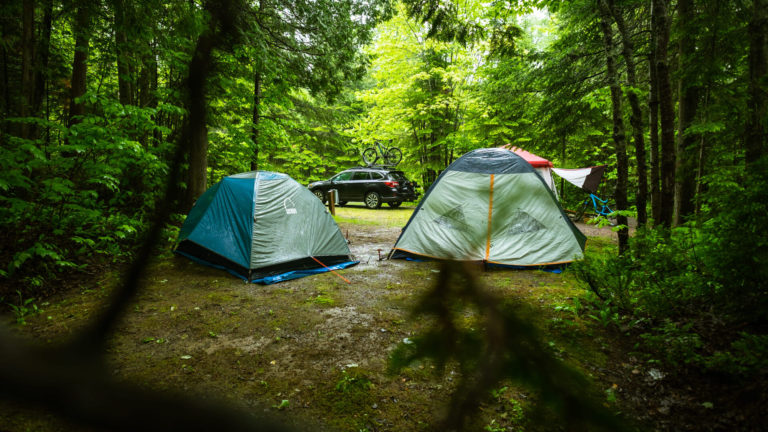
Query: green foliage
{"points": [[353, 381], [512, 415], [674, 282], [489, 341], [677, 344], [351, 393], [23, 308], [64, 204], [662, 277], [735, 239], [420, 95], [285, 403], [605, 314], [747, 354], [77, 190]]}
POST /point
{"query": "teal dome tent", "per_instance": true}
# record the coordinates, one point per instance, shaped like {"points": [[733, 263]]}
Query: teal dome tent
{"points": [[263, 227]]}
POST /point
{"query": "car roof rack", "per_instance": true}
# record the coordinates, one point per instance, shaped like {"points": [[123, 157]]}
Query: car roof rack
{"points": [[385, 167]]}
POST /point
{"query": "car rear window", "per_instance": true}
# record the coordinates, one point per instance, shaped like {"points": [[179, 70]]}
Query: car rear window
{"points": [[361, 175], [397, 175], [377, 175]]}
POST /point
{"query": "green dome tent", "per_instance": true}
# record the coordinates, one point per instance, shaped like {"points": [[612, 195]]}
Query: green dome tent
{"points": [[490, 205], [263, 227]]}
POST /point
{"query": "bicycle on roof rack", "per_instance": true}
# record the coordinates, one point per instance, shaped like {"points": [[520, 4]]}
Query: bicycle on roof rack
{"points": [[391, 155], [599, 206]]}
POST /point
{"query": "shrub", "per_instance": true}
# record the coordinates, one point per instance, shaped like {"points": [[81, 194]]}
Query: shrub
{"points": [[713, 273], [735, 241], [661, 277], [63, 203]]}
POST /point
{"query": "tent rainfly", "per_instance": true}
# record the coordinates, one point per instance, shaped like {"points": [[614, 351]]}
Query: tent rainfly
{"points": [[541, 165], [491, 206], [263, 227]]}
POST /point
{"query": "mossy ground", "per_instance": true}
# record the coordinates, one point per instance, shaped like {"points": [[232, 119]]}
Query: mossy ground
{"points": [[313, 350]]}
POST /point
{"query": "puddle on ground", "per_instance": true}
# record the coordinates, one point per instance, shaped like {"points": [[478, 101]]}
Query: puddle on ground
{"points": [[371, 246]]}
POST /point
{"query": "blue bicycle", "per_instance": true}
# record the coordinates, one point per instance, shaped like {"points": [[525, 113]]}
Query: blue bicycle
{"points": [[599, 206]]}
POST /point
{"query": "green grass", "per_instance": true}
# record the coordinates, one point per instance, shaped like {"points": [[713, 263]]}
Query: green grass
{"points": [[601, 244], [385, 216]]}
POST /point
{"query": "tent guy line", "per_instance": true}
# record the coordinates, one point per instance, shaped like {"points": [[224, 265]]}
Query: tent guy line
{"points": [[332, 271]]}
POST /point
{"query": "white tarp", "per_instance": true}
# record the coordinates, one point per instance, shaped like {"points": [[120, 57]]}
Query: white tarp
{"points": [[587, 179]]}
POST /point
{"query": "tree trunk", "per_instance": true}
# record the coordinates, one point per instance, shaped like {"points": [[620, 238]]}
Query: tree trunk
{"points": [[757, 103], [154, 80], [619, 138], [666, 113], [80, 63], [708, 82], [6, 86], [27, 62], [147, 77], [700, 170], [653, 120], [636, 115], [686, 150], [44, 49], [198, 129], [220, 29], [256, 119], [123, 53]]}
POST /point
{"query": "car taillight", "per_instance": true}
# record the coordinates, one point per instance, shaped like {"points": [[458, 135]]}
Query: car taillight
{"points": [[391, 184]]}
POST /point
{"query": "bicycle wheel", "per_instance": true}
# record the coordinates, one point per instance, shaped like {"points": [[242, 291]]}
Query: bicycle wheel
{"points": [[393, 156], [370, 155]]}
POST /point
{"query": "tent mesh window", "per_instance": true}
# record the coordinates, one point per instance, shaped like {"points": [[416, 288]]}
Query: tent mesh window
{"points": [[521, 223], [453, 219]]}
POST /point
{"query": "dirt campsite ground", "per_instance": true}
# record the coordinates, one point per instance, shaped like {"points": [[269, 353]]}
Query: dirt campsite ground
{"points": [[314, 351]]}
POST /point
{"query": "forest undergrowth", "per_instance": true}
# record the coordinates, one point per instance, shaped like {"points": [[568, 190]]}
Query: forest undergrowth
{"points": [[321, 351]]}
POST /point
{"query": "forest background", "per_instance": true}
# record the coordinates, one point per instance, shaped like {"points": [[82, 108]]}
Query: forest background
{"points": [[671, 95]]}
